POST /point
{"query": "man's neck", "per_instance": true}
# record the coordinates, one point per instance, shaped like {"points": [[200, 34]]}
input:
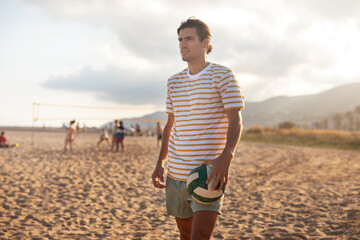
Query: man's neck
{"points": [[197, 66]]}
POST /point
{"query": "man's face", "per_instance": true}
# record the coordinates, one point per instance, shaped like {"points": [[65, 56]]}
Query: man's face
{"points": [[191, 47]]}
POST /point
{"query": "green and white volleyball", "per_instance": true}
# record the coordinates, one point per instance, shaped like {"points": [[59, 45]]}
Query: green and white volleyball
{"points": [[197, 187]]}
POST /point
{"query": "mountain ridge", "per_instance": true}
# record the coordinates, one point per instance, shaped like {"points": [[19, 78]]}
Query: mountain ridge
{"points": [[302, 109]]}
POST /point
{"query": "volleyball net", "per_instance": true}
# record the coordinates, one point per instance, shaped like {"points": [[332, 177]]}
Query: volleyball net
{"points": [[91, 115]]}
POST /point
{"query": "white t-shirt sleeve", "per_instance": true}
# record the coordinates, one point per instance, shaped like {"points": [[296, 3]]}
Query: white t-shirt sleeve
{"points": [[169, 104], [230, 92]]}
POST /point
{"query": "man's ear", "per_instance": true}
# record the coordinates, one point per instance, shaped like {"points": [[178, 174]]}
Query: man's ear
{"points": [[206, 43]]}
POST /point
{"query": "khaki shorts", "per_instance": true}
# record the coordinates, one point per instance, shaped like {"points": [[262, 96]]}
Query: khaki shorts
{"points": [[180, 204]]}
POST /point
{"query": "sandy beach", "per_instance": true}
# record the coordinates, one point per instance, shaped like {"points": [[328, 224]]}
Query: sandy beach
{"points": [[274, 191]]}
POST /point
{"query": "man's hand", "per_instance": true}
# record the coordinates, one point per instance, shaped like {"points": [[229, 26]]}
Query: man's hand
{"points": [[221, 164], [220, 172], [158, 177]]}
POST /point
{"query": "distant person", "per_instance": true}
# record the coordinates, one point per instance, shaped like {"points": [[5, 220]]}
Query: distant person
{"points": [[3, 142], [120, 135], [113, 139], [137, 129], [85, 128], [70, 135], [149, 133], [205, 133], [104, 136], [78, 127], [111, 128], [132, 130], [159, 132]]}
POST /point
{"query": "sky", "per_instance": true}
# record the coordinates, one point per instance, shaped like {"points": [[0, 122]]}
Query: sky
{"points": [[119, 54]]}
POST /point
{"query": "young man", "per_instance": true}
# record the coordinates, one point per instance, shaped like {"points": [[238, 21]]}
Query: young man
{"points": [[203, 127]]}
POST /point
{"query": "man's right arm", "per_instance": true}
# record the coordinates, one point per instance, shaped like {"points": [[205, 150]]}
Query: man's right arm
{"points": [[158, 175]]}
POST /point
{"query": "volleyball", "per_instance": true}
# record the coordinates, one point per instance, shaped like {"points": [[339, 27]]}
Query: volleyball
{"points": [[197, 187]]}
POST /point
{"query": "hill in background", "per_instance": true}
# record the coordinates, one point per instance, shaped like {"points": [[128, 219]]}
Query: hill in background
{"points": [[303, 110]]}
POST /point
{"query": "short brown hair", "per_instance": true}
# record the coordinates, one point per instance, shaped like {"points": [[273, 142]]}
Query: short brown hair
{"points": [[202, 29]]}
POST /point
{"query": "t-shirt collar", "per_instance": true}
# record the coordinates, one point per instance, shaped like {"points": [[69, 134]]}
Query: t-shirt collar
{"points": [[195, 76]]}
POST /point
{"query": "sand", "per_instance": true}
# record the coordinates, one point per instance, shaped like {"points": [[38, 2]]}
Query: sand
{"points": [[274, 192]]}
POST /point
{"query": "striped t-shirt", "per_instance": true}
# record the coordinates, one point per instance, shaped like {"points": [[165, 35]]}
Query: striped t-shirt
{"points": [[198, 103]]}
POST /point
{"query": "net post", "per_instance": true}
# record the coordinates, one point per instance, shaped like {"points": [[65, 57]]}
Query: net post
{"points": [[32, 125]]}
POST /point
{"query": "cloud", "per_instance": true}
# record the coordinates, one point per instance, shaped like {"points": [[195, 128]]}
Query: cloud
{"points": [[118, 85], [142, 27], [271, 42], [263, 38], [334, 10], [260, 54], [149, 39]]}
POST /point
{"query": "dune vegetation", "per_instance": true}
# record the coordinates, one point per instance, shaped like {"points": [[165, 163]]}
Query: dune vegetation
{"points": [[287, 133]]}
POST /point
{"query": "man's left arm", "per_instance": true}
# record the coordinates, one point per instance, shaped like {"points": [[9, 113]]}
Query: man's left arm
{"points": [[221, 164]]}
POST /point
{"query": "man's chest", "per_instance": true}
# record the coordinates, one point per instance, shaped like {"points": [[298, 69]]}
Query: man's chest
{"points": [[195, 95]]}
